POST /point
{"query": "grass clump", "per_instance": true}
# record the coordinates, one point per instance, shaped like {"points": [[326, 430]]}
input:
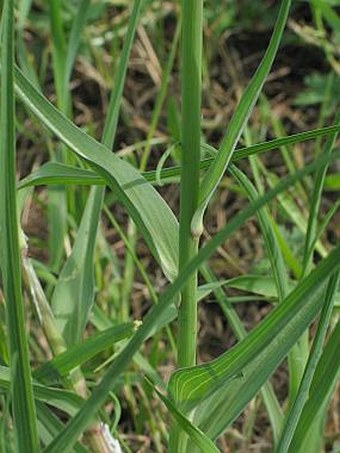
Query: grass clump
{"points": [[68, 379]]}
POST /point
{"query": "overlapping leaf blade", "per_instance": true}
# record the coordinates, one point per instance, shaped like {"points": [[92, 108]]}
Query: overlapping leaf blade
{"points": [[280, 330], [74, 294], [78, 354], [56, 173], [64, 400], [153, 217], [202, 442], [321, 390], [296, 408]]}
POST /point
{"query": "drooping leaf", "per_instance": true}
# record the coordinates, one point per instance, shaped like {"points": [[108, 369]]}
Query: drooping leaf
{"points": [[74, 294], [57, 173], [151, 214]]}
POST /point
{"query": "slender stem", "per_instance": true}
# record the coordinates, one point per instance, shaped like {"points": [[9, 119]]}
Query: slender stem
{"points": [[192, 24], [192, 18]]}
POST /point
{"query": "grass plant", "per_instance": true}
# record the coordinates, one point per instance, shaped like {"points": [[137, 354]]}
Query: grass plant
{"points": [[72, 356]]}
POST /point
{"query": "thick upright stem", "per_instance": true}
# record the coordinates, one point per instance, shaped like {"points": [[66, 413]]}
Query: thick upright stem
{"points": [[192, 24], [192, 18]]}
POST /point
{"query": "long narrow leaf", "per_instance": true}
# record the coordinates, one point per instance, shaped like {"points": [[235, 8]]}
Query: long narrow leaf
{"points": [[21, 389], [196, 435], [315, 203], [272, 247], [151, 214], [243, 110], [64, 400], [74, 39], [320, 393], [56, 173], [302, 395], [74, 293], [211, 412], [51, 425], [78, 354]]}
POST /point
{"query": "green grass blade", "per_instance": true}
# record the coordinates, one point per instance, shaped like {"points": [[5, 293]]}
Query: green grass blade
{"points": [[315, 203], [57, 173], [272, 248], [292, 210], [73, 295], [99, 394], [51, 425], [323, 225], [22, 396], [151, 214], [111, 121], [25, 6], [295, 358], [168, 174], [63, 54], [78, 354], [211, 415], [78, 24], [280, 330], [58, 197], [263, 285], [64, 400], [303, 392], [243, 110], [58, 50], [195, 434], [291, 261], [215, 425], [260, 148], [323, 385], [161, 95]]}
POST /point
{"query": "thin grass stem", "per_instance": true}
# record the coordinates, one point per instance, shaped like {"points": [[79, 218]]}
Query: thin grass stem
{"points": [[192, 24]]}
